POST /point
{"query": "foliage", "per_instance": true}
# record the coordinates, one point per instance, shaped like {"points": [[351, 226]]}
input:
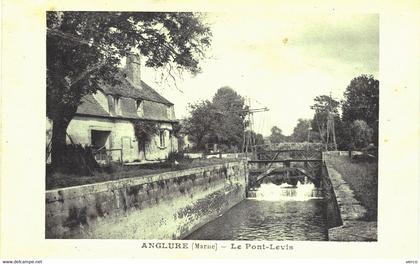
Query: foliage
{"points": [[78, 159], [343, 134], [229, 118], [314, 136], [86, 48], [301, 132], [259, 139], [144, 131], [324, 106], [277, 135], [220, 121], [361, 134], [177, 156], [362, 102], [176, 129], [298, 146], [200, 123]]}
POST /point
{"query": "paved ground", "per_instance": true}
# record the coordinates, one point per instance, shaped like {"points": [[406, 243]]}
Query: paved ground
{"points": [[352, 213]]}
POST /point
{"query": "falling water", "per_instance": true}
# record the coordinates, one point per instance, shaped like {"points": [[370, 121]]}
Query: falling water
{"points": [[273, 192]]}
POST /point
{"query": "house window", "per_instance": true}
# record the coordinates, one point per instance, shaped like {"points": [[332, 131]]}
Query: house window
{"points": [[117, 104], [139, 107], [162, 142]]}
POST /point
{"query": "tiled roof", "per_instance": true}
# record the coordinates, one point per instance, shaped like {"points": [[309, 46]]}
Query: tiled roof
{"points": [[90, 106], [154, 106], [152, 111], [127, 89]]}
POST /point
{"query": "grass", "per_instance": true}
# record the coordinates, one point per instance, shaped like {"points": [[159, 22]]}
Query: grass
{"points": [[363, 180], [115, 172]]}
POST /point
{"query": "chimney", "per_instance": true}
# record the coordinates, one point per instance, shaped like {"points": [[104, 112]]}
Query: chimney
{"points": [[133, 69]]}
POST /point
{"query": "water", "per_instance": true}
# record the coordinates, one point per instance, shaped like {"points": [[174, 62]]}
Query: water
{"points": [[274, 212]]}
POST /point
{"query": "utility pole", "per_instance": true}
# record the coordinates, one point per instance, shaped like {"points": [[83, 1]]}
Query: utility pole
{"points": [[249, 138], [330, 126]]}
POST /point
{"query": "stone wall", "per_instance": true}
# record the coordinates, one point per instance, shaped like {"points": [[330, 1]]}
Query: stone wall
{"points": [[332, 209], [164, 206]]}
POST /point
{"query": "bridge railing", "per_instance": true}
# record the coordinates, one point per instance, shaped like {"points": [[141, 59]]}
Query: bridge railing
{"points": [[289, 154]]}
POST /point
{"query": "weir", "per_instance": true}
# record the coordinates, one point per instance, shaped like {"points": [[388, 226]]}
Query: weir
{"points": [[273, 192]]}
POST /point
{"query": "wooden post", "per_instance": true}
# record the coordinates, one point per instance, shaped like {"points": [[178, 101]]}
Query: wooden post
{"points": [[287, 165]]}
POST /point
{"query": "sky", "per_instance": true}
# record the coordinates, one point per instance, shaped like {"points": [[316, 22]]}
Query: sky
{"points": [[279, 61]]}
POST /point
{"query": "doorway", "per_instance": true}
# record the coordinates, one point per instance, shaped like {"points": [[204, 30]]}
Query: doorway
{"points": [[100, 141]]}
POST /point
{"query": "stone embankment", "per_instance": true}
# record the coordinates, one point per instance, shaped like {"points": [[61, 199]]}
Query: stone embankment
{"points": [[169, 205], [354, 228]]}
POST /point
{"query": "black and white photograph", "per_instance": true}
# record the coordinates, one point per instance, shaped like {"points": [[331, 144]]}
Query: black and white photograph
{"points": [[187, 125], [211, 131]]}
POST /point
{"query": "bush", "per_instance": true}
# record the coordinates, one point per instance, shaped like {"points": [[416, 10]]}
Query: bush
{"points": [[176, 156], [112, 167], [78, 160], [361, 134]]}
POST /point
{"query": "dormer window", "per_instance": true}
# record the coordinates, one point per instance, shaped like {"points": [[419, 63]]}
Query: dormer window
{"points": [[169, 112], [117, 105], [101, 98]]}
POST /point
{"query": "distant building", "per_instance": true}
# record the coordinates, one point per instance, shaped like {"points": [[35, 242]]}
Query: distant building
{"points": [[104, 119]]}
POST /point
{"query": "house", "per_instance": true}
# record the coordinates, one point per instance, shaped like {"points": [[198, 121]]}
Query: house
{"points": [[104, 120]]}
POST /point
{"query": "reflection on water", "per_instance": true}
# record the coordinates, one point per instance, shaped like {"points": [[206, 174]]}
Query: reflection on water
{"points": [[274, 212]]}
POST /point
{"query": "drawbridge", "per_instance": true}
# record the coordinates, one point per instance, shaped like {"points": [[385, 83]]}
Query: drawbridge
{"points": [[289, 166]]}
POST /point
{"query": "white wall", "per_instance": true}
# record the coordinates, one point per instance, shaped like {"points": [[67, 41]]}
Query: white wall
{"points": [[122, 132]]}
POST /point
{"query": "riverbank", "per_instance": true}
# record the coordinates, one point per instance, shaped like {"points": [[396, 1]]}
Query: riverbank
{"points": [[356, 192], [167, 205], [116, 172], [362, 178]]}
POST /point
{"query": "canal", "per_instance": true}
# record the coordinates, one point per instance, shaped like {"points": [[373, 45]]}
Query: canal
{"points": [[272, 212]]}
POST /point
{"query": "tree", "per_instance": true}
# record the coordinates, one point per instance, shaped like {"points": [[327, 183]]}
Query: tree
{"points": [[361, 134], [301, 131], [325, 107], [200, 124], [220, 121], [343, 134], [85, 48], [277, 135], [259, 139], [229, 127], [361, 102]]}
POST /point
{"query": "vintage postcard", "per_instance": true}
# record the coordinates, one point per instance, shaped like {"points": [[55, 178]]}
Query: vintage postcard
{"points": [[227, 130]]}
